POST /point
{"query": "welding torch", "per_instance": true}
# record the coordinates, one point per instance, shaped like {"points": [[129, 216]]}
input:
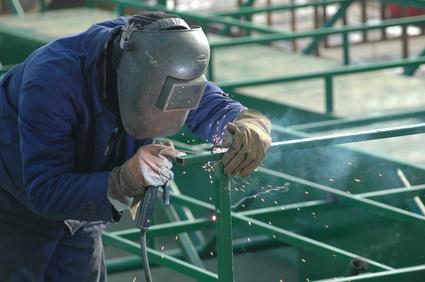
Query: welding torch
{"points": [[144, 216]]}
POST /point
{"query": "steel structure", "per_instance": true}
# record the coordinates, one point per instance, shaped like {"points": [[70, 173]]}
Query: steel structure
{"points": [[334, 241]]}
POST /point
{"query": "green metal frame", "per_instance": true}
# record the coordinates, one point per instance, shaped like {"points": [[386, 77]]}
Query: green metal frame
{"points": [[327, 75], [225, 217], [317, 34]]}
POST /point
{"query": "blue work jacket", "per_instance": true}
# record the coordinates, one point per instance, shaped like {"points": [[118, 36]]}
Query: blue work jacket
{"points": [[55, 130]]}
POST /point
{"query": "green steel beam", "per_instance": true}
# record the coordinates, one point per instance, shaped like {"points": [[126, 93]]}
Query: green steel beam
{"points": [[413, 191], [243, 11], [134, 263], [184, 240], [223, 225], [329, 92], [374, 206], [24, 34], [285, 236], [319, 205], [346, 48], [303, 242], [186, 214], [397, 275], [351, 137], [311, 142], [230, 85], [164, 229], [196, 16], [268, 38], [258, 243], [167, 229], [350, 122], [16, 7], [156, 257], [340, 13], [295, 207], [409, 71], [43, 5]]}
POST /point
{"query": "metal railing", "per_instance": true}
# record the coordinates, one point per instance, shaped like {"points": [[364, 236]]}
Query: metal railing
{"points": [[225, 217], [327, 76]]}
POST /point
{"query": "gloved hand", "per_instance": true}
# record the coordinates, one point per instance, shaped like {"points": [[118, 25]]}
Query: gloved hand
{"points": [[248, 139], [151, 165]]}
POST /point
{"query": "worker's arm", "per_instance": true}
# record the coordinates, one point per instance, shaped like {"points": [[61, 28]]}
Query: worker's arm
{"points": [[249, 131], [47, 120], [215, 110]]}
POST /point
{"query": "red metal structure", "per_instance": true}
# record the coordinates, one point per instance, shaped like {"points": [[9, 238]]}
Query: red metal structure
{"points": [[398, 11]]}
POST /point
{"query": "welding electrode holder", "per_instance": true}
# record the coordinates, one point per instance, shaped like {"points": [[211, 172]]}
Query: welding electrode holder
{"points": [[144, 219]]}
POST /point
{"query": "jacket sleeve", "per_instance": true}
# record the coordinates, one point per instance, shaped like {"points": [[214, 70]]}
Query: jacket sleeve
{"points": [[47, 118], [214, 111]]}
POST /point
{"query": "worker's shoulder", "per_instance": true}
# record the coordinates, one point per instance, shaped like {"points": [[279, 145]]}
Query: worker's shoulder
{"points": [[51, 66]]}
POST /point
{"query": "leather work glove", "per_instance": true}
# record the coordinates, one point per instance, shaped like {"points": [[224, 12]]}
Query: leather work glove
{"points": [[248, 139], [151, 165]]}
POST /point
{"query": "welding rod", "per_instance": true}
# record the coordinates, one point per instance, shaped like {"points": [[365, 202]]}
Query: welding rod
{"points": [[318, 141]]}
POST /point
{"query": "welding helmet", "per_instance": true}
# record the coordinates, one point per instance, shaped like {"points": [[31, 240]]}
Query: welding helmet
{"points": [[160, 76]]}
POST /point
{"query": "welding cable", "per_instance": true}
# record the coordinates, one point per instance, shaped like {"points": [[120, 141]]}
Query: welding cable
{"points": [[144, 255]]}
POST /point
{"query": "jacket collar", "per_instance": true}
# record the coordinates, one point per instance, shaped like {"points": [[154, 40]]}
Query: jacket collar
{"points": [[94, 45]]}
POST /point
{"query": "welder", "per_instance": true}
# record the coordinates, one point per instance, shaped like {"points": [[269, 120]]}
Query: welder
{"points": [[77, 122]]}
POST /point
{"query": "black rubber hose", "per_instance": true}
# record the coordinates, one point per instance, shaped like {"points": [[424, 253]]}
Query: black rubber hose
{"points": [[144, 255]]}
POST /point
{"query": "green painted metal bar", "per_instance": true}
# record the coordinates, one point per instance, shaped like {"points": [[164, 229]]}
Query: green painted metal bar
{"points": [[320, 205], [91, 3], [303, 242], [210, 72], [350, 122], [374, 206], [230, 85], [346, 48], [249, 4], [329, 94], [410, 71], [260, 213], [160, 258], [195, 16], [119, 9], [223, 225], [268, 38], [338, 15], [298, 134], [311, 142], [416, 190], [36, 39], [186, 214], [396, 275], [184, 240], [122, 264], [345, 138], [169, 228], [207, 246], [284, 235], [243, 11], [16, 7], [43, 6], [258, 243]]}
